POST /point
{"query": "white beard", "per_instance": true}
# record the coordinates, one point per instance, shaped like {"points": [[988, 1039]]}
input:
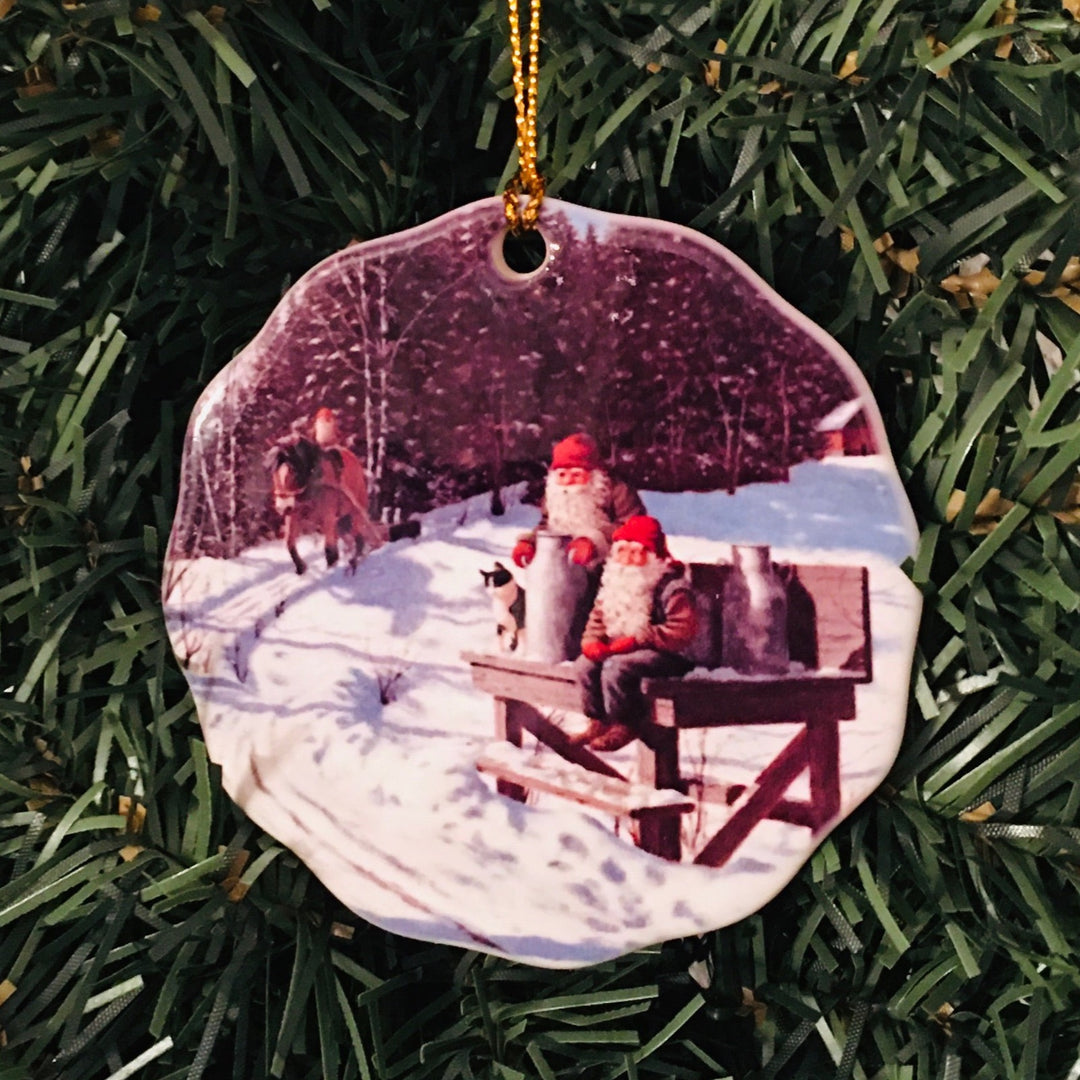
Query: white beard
{"points": [[325, 432], [626, 596], [578, 509]]}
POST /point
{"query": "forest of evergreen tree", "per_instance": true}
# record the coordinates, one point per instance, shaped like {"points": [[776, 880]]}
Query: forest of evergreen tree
{"points": [[448, 380]]}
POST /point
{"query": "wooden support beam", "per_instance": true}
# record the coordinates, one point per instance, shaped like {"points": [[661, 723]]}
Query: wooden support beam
{"points": [[795, 812], [774, 780], [533, 721]]}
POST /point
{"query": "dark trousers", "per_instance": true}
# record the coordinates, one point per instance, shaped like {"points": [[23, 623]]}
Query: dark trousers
{"points": [[611, 689]]}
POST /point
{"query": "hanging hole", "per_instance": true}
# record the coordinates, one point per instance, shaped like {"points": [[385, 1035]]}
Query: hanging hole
{"points": [[521, 255]]}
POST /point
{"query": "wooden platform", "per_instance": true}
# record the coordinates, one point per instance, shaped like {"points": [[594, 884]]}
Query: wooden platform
{"points": [[521, 688], [830, 646]]}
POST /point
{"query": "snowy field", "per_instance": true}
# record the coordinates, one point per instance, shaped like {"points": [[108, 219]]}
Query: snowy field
{"points": [[384, 802]]}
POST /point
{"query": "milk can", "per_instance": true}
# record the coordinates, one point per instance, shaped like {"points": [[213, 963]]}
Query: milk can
{"points": [[754, 614], [558, 591]]}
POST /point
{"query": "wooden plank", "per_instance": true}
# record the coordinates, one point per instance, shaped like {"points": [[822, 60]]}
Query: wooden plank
{"points": [[616, 797], [790, 811], [868, 654], [658, 758], [719, 702], [507, 721], [660, 834], [559, 672], [551, 685]]}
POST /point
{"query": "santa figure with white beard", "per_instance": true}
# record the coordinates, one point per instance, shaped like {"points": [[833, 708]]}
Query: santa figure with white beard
{"points": [[582, 501], [643, 616]]}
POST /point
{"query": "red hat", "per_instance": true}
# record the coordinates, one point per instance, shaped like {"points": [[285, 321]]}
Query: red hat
{"points": [[576, 451], [643, 530]]}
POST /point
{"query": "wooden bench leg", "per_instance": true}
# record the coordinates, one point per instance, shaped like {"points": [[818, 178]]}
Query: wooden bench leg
{"points": [[508, 726], [823, 750], [658, 766], [658, 834], [658, 758]]}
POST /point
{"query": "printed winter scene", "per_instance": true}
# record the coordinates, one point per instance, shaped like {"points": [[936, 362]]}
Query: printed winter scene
{"points": [[553, 615]]}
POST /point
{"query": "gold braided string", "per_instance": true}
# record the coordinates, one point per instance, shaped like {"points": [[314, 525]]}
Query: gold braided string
{"points": [[522, 214]]}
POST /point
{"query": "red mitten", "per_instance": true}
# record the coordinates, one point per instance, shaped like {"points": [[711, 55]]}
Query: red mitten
{"points": [[595, 650], [523, 553], [623, 644], [581, 551]]}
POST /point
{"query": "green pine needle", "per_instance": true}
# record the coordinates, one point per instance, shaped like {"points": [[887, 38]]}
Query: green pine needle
{"points": [[165, 170]]}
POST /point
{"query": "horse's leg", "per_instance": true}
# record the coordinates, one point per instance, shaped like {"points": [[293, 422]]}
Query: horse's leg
{"points": [[357, 542], [329, 527], [351, 534], [349, 538], [292, 534]]}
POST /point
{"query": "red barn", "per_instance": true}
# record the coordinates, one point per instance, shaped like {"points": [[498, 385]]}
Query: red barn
{"points": [[846, 431]]}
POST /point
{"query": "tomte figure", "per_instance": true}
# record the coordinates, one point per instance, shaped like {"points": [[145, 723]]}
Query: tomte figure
{"points": [[581, 500], [643, 616]]}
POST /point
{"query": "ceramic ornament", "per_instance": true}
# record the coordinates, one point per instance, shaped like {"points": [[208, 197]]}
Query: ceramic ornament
{"points": [[553, 614]]}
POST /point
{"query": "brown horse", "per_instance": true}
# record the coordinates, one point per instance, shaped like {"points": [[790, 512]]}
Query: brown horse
{"points": [[325, 491]]}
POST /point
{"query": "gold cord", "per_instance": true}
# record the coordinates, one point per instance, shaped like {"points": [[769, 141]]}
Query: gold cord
{"points": [[521, 216]]}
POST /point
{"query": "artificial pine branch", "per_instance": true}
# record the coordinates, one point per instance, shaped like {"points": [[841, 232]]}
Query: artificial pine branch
{"points": [[167, 169]]}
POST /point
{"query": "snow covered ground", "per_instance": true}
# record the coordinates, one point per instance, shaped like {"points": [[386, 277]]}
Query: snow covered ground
{"points": [[384, 802]]}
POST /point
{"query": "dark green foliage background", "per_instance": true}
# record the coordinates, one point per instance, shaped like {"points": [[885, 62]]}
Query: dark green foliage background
{"points": [[916, 944]]}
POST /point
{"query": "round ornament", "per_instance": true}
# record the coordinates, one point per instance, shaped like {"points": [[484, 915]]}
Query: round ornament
{"points": [[553, 614]]}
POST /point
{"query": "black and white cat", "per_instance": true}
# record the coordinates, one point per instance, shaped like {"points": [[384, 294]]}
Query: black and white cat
{"points": [[508, 603]]}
